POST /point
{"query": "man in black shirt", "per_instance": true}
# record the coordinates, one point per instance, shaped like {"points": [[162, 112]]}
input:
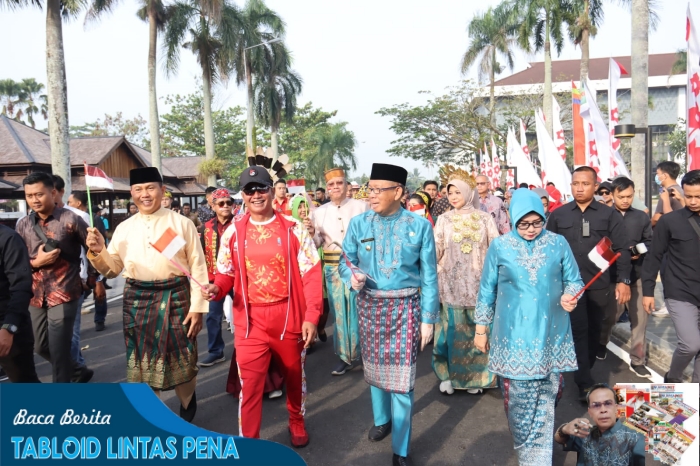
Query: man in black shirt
{"points": [[16, 336], [638, 226], [584, 223], [677, 235]]}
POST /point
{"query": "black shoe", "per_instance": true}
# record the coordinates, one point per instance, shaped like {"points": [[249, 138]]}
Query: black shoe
{"points": [[640, 370], [99, 326], [83, 375], [107, 287], [668, 379], [377, 433], [341, 368], [602, 353], [400, 460], [322, 336], [188, 414]]}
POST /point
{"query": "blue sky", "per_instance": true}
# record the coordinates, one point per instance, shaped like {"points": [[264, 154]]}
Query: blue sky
{"points": [[354, 57]]}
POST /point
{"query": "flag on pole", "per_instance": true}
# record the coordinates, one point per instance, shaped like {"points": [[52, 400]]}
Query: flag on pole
{"points": [[693, 94], [559, 141], [526, 170], [618, 165], [603, 257], [577, 124], [495, 166], [510, 176], [599, 135], [169, 243], [96, 178], [482, 164], [553, 167], [296, 186], [523, 141]]}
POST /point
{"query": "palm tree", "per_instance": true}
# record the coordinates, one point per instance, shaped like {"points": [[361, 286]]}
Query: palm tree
{"points": [[335, 148], [261, 25], [680, 66], [276, 91], [584, 27], [34, 99], [57, 87], [540, 23], [212, 27], [154, 13], [11, 95], [491, 33]]}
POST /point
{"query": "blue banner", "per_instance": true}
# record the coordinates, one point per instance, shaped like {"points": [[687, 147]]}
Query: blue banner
{"points": [[114, 424]]}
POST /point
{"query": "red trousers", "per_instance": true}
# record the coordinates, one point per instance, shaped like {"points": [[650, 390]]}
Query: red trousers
{"points": [[253, 355]]}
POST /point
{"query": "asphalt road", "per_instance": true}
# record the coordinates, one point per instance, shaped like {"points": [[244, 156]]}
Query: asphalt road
{"points": [[461, 429]]}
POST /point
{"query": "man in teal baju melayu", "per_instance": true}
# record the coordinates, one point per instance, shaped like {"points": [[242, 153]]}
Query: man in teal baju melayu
{"points": [[391, 261]]}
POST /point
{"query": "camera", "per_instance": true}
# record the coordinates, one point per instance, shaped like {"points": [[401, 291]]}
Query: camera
{"points": [[639, 249], [50, 245]]}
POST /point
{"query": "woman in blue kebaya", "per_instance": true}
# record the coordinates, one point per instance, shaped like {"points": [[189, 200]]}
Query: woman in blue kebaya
{"points": [[527, 286]]}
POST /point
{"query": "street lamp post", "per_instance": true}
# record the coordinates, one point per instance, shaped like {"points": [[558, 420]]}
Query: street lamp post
{"points": [[250, 151], [628, 132]]}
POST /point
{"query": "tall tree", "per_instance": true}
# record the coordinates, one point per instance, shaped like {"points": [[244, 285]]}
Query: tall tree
{"points": [[211, 27], [588, 16], [34, 100], [276, 91], [335, 148], [260, 25], [11, 96], [154, 13], [491, 33], [541, 24]]}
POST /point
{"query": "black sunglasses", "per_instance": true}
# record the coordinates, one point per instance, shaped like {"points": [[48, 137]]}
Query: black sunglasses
{"points": [[223, 203], [604, 192], [249, 191]]}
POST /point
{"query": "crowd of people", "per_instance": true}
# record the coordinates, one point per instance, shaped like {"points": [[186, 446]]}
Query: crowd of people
{"points": [[490, 276]]}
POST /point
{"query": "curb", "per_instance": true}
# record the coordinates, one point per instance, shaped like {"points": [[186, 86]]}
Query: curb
{"points": [[659, 352]]}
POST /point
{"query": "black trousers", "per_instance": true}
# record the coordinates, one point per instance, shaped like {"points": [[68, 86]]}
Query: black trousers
{"points": [[53, 333], [19, 363], [586, 327]]}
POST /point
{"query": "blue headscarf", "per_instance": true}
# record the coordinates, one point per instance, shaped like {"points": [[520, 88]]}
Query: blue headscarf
{"points": [[524, 202]]}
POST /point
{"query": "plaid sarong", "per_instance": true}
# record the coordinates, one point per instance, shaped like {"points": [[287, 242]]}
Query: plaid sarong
{"points": [[158, 351], [389, 337]]}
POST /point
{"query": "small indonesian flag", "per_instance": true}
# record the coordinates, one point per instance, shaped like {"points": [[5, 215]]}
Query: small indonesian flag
{"points": [[96, 178], [417, 209], [296, 186], [169, 244], [602, 254]]}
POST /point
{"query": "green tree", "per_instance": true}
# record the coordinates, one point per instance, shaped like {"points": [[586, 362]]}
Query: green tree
{"points": [[680, 66], [154, 13], [135, 130], [276, 90], [541, 24], [11, 96], [209, 30], [491, 34], [34, 100], [415, 180], [588, 15], [334, 147]]}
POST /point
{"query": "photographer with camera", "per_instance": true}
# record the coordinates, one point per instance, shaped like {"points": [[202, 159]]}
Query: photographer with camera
{"points": [[639, 232], [54, 237]]}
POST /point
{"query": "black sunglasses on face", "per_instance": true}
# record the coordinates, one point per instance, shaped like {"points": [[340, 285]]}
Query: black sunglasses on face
{"points": [[223, 203], [249, 191], [603, 193]]}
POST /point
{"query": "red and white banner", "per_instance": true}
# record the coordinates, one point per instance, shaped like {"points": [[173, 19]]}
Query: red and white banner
{"points": [[495, 166], [510, 176], [599, 136], [526, 170], [601, 255], [296, 186], [553, 167], [523, 141], [618, 165], [558, 129], [96, 178], [482, 164], [693, 94]]}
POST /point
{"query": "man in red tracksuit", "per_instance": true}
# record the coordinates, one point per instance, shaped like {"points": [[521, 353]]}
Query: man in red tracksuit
{"points": [[273, 266]]}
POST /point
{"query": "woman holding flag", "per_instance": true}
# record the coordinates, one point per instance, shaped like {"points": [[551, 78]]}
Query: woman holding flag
{"points": [[529, 279], [157, 250]]}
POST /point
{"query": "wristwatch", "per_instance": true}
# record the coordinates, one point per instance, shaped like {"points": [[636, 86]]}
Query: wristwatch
{"points": [[626, 281], [12, 328]]}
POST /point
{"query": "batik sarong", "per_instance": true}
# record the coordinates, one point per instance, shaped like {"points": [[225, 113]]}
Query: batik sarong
{"points": [[346, 335], [529, 408], [390, 337], [158, 351], [455, 357]]}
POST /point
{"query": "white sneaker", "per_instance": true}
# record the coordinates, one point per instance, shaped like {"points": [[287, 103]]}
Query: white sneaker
{"points": [[661, 312], [275, 394], [446, 387], [474, 391]]}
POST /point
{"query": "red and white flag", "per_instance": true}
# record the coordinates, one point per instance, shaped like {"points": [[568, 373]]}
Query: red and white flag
{"points": [[495, 166], [602, 254], [96, 178], [296, 186], [558, 129], [523, 141], [169, 243], [693, 94], [618, 164], [554, 169], [600, 155]]}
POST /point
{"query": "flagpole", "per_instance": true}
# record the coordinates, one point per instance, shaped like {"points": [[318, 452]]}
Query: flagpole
{"points": [[87, 188], [597, 276]]}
